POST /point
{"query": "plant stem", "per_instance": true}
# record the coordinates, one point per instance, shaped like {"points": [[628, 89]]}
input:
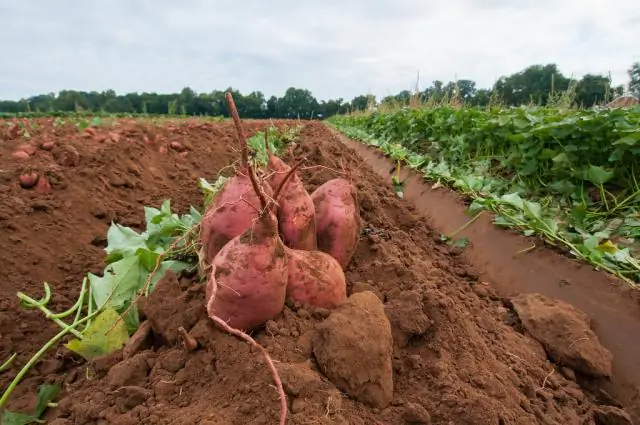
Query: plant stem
{"points": [[40, 353], [468, 223], [6, 364], [48, 314]]}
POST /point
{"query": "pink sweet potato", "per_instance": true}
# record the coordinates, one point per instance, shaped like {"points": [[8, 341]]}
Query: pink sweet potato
{"points": [[236, 206], [248, 281], [277, 168], [338, 222], [296, 213], [315, 278]]}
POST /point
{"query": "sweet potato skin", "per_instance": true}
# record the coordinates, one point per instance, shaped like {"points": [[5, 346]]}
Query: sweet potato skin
{"points": [[297, 216], [277, 169], [248, 280], [338, 222], [315, 278], [296, 212], [232, 212]]}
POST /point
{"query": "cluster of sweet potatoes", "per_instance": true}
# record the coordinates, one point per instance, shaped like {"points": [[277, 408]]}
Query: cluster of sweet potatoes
{"points": [[268, 240]]}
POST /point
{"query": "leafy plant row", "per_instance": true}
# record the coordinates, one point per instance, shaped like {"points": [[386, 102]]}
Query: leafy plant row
{"points": [[572, 177]]}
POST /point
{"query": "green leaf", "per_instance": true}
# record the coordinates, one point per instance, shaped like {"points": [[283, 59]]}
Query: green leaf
{"points": [[564, 187], [46, 394], [212, 190], [560, 158], [121, 280], [513, 199], [148, 258], [99, 338], [598, 175], [460, 243], [630, 140], [17, 418], [532, 209], [122, 242], [165, 266]]}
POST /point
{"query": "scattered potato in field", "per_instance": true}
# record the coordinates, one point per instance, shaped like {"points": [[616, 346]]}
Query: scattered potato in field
{"points": [[43, 186], [28, 180], [20, 155]]}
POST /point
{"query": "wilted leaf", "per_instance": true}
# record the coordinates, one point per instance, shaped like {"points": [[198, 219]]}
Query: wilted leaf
{"points": [[99, 339]]}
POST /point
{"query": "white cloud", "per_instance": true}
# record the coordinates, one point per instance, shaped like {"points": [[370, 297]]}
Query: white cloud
{"points": [[334, 48]]}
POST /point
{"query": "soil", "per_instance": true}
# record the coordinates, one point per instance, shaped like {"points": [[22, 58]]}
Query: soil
{"points": [[459, 353], [515, 264]]}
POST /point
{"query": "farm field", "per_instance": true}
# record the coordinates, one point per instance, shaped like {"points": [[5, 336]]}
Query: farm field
{"points": [[421, 340], [569, 177]]}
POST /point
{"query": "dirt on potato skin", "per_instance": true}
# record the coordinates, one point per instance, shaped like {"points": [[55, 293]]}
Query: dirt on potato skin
{"points": [[466, 364]]}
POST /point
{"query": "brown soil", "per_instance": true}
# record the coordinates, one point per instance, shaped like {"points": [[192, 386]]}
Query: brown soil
{"points": [[515, 264], [460, 355]]}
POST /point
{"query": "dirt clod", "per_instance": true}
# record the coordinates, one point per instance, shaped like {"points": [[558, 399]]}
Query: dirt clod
{"points": [[139, 341], [609, 415], [415, 414], [354, 348], [66, 155], [132, 371], [407, 318], [132, 396], [565, 332]]}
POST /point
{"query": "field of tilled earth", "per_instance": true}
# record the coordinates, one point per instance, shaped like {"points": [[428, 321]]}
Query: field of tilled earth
{"points": [[420, 340]]}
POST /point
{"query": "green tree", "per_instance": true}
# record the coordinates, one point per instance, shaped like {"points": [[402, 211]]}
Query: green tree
{"points": [[534, 84], [592, 90], [634, 79], [359, 103]]}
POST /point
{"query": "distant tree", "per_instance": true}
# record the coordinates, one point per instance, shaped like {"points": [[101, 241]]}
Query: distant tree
{"points": [[359, 103], [482, 97], [298, 103], [535, 83], [634, 79], [592, 90]]}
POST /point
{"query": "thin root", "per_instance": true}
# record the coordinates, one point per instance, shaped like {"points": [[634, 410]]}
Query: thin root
{"points": [[272, 368]]}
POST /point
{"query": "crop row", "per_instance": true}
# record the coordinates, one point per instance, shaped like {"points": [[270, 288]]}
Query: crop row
{"points": [[572, 177]]}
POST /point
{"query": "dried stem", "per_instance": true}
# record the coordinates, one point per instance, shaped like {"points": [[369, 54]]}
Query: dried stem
{"points": [[257, 188], [242, 140], [284, 180]]}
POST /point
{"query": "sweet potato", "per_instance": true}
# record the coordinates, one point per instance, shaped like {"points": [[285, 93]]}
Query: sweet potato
{"points": [[248, 281], [236, 206], [28, 180], [296, 213], [315, 278], [277, 168], [338, 222]]}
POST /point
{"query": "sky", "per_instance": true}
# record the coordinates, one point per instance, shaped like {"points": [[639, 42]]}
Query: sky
{"points": [[333, 48]]}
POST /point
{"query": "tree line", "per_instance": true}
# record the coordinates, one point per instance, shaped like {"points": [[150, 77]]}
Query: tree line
{"points": [[539, 84]]}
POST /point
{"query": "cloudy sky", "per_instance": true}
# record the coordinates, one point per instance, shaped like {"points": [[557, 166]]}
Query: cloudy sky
{"points": [[335, 48]]}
